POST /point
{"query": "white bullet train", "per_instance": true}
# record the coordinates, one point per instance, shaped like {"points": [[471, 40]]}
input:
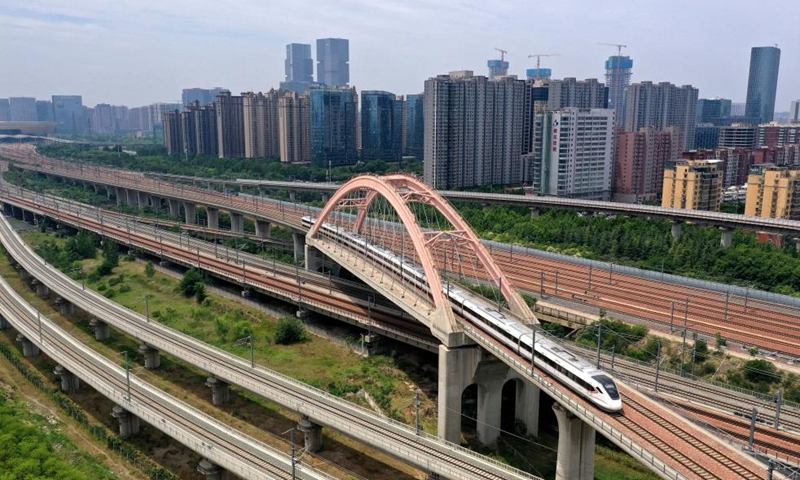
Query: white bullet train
{"points": [[577, 374]]}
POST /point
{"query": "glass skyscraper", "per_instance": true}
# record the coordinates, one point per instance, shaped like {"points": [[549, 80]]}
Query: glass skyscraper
{"points": [[68, 113], [333, 55], [415, 125], [333, 126], [381, 126], [762, 84], [299, 68]]}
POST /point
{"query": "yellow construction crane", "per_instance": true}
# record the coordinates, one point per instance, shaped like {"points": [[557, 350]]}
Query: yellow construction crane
{"points": [[502, 54], [539, 60]]}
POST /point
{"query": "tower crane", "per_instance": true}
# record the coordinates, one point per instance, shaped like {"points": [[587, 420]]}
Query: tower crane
{"points": [[539, 60], [618, 45], [502, 53]]}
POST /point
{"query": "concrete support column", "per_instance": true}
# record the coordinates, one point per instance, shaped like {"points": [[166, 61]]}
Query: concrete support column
{"points": [[132, 198], [70, 383], [326, 197], [213, 217], [220, 391], [262, 228], [155, 202], [191, 212], [128, 422], [456, 366], [152, 357], [527, 406], [727, 238], [108, 191], [299, 243], [174, 208], [101, 332], [143, 198], [575, 447], [535, 212], [314, 260], [211, 470], [28, 347], [120, 194], [40, 288], [4, 325], [292, 195], [237, 223], [65, 308], [676, 230], [490, 377], [312, 434]]}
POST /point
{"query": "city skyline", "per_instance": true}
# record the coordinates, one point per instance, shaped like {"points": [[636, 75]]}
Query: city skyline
{"points": [[123, 54]]}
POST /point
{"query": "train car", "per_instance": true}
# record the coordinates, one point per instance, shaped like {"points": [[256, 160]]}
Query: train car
{"points": [[575, 373]]}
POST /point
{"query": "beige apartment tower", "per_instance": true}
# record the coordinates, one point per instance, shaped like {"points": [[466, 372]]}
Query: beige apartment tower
{"points": [[294, 128], [692, 185], [772, 192], [261, 124]]}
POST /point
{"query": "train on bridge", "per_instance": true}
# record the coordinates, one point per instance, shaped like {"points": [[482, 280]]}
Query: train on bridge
{"points": [[577, 374]]}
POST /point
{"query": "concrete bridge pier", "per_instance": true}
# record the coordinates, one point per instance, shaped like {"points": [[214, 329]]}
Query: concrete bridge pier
{"points": [[293, 196], [211, 470], [132, 198], [101, 332], [212, 214], [312, 434], [575, 459], [29, 349], [65, 308], [174, 208], [191, 212], [40, 288], [237, 223], [490, 377], [314, 259], [152, 357], [727, 237], [262, 228], [676, 230], [220, 391], [70, 383], [299, 243], [120, 195], [535, 212], [325, 197], [4, 325], [143, 198], [128, 422]]}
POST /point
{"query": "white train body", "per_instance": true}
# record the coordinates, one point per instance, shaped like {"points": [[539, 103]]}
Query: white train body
{"points": [[577, 374]]}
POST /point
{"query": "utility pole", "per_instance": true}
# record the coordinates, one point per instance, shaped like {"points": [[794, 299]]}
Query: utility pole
{"points": [[599, 342], [417, 403], [658, 363]]}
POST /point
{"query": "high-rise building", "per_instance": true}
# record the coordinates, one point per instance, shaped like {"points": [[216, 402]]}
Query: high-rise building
{"points": [[762, 83], [173, 133], [203, 96], [572, 153], [618, 77], [261, 125], [333, 125], [230, 125], [692, 185], [706, 136], [299, 67], [103, 119], [23, 109], [794, 112], [68, 114], [773, 192], [776, 135], [474, 130], [44, 111], [5, 110], [294, 127], [534, 74], [738, 135], [415, 125], [199, 129], [716, 111], [639, 162], [333, 57], [497, 68], [570, 92], [381, 126], [660, 106]]}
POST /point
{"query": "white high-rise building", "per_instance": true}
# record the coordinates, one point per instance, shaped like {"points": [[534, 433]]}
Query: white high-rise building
{"points": [[573, 153], [662, 105]]}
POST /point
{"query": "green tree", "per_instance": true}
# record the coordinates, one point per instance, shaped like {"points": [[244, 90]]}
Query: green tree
{"points": [[761, 371], [290, 330], [700, 350], [149, 269], [191, 283]]}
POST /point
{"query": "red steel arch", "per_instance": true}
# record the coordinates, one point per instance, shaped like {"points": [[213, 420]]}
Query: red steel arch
{"points": [[400, 190]]}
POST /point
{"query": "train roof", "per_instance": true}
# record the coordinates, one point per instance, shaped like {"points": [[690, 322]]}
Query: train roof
{"points": [[576, 362]]}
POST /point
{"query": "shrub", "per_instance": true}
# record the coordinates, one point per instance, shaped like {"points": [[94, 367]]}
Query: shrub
{"points": [[149, 269], [192, 282], [290, 330], [124, 288], [109, 293]]}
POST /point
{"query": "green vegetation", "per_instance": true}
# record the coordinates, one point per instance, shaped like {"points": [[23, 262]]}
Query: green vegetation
{"points": [[290, 330], [154, 160], [193, 285], [623, 338], [645, 244]]}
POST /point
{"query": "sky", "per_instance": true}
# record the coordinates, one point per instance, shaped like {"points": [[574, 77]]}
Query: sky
{"points": [[136, 52]]}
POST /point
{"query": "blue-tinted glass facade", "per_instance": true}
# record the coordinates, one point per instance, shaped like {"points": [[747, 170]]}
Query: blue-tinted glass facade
{"points": [[763, 83], [333, 126], [716, 111], [415, 125], [333, 57], [381, 126], [68, 113]]}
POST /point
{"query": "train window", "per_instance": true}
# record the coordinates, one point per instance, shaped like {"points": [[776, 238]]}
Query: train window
{"points": [[608, 385]]}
